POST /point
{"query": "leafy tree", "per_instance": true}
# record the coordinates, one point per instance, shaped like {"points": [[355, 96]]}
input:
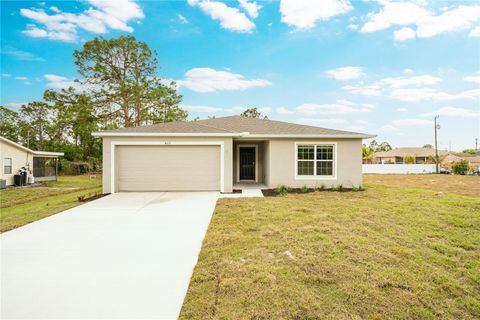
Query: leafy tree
{"points": [[120, 74], [384, 146], [253, 113], [409, 159], [376, 147], [428, 145], [367, 152], [461, 167], [470, 151], [36, 124], [9, 124]]}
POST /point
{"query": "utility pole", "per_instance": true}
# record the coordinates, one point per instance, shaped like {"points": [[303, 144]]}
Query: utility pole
{"points": [[437, 126]]}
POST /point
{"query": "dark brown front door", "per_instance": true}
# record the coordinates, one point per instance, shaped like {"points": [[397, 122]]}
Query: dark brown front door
{"points": [[247, 163]]}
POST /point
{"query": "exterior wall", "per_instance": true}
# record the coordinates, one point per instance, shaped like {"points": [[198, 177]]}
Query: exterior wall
{"points": [[20, 158], [281, 163], [107, 156], [398, 168], [260, 157]]}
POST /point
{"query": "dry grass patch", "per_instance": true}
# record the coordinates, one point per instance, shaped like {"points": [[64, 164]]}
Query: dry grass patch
{"points": [[466, 185], [380, 254]]}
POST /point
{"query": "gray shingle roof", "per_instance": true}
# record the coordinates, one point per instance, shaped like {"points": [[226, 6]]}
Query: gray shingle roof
{"points": [[235, 125]]}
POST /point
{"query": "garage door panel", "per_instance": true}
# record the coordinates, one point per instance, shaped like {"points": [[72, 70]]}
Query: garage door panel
{"points": [[168, 168]]}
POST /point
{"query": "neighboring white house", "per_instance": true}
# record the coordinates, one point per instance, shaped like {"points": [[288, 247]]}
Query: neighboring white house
{"points": [[13, 156], [226, 153]]}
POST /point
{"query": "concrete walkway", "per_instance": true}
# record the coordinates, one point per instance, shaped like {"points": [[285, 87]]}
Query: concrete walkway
{"points": [[124, 256]]}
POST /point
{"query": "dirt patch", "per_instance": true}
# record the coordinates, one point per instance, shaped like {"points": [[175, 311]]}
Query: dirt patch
{"points": [[464, 185]]}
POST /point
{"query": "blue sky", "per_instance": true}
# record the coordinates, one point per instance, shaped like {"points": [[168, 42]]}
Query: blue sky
{"points": [[380, 67]]}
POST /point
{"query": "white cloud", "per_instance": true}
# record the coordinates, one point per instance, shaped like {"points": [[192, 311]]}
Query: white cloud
{"points": [[475, 32], [452, 112], [201, 109], [404, 34], [59, 82], [429, 94], [411, 122], [304, 14], [265, 110], [15, 106], [388, 128], [408, 71], [55, 9], [182, 19], [20, 54], [5, 75], [399, 82], [394, 13], [230, 18], [210, 80], [402, 109], [365, 90], [323, 121], [252, 8], [98, 19], [474, 79], [346, 73], [427, 23], [340, 107], [283, 110], [353, 26], [21, 78]]}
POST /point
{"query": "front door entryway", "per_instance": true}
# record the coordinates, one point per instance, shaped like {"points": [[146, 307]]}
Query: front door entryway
{"points": [[247, 163]]}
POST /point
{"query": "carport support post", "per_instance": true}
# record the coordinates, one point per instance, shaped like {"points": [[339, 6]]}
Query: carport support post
{"points": [[56, 169]]}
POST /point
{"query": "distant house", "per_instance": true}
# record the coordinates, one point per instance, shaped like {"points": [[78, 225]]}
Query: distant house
{"points": [[400, 155], [451, 159], [13, 156]]}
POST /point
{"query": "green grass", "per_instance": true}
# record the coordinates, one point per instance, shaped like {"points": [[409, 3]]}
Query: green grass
{"points": [[385, 253], [20, 206]]}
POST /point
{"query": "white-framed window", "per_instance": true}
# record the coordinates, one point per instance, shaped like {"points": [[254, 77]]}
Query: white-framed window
{"points": [[7, 165], [315, 160]]}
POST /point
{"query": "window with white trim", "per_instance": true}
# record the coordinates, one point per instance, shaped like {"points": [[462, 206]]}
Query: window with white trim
{"points": [[7, 165], [315, 160]]}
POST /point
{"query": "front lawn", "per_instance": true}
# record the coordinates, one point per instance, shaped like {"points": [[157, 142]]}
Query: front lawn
{"points": [[389, 252], [20, 206]]}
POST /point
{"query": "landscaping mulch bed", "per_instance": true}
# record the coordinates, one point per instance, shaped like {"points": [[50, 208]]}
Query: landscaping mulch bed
{"points": [[91, 198], [273, 193]]}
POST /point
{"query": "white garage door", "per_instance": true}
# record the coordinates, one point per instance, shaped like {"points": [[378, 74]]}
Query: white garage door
{"points": [[168, 168]]}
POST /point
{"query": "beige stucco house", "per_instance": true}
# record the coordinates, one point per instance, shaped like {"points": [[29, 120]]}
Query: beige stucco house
{"points": [[42, 165], [226, 153]]}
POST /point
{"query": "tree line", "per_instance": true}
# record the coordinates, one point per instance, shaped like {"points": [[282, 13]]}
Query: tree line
{"points": [[119, 87]]}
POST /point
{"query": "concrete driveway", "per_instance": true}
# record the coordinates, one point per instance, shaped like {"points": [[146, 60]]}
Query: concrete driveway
{"points": [[124, 256]]}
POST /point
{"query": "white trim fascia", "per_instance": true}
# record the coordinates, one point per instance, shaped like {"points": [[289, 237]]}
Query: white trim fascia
{"points": [[163, 134], [238, 161], [47, 153], [240, 135], [113, 144], [318, 136], [335, 160]]}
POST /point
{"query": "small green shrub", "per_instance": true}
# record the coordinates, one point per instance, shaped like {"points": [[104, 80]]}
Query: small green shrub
{"points": [[355, 188], [304, 189], [460, 167], [338, 188], [319, 187], [282, 190]]}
